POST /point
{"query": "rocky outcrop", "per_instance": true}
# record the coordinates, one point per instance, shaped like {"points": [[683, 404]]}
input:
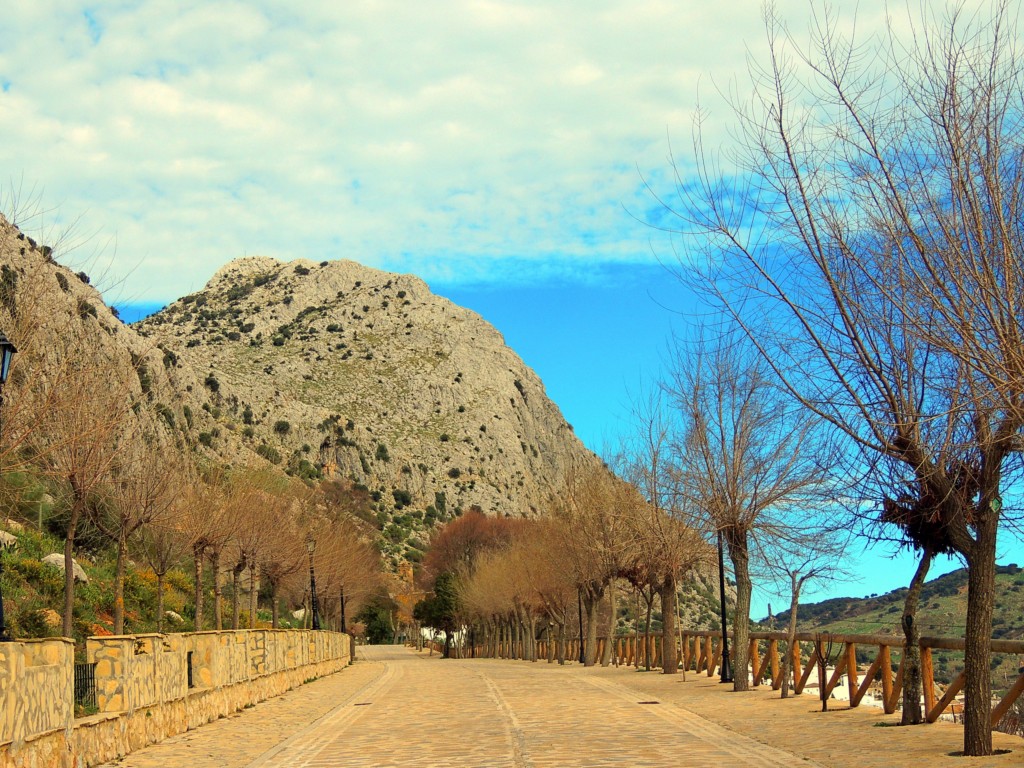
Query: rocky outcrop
{"points": [[56, 560]]}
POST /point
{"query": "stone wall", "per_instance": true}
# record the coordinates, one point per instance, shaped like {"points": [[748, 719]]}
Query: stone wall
{"points": [[142, 688], [36, 688]]}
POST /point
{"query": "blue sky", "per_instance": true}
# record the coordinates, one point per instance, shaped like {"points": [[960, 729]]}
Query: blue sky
{"points": [[499, 150]]}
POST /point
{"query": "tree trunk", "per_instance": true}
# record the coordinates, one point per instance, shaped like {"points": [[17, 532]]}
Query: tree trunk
{"points": [[911, 660], [77, 506], [649, 599], [669, 649], [341, 606], [236, 603], [160, 602], [562, 643], [198, 556], [981, 575], [275, 611], [606, 657], [787, 659], [591, 599], [119, 569], [218, 593], [253, 595], [636, 630], [740, 557]]}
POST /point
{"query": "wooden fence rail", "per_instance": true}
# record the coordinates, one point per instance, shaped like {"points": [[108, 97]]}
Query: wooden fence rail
{"points": [[701, 652], [765, 666]]}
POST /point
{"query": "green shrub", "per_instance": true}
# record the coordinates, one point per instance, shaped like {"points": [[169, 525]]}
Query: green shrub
{"points": [[85, 308], [166, 414], [282, 427], [269, 453]]}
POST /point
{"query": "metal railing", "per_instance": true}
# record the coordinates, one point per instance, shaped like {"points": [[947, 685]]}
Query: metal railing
{"points": [[85, 685]]}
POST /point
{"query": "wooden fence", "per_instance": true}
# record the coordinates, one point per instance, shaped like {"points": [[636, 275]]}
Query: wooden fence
{"points": [[702, 652]]}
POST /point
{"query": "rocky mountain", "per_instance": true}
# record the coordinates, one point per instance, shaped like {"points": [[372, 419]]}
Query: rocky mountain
{"points": [[336, 370], [325, 369]]}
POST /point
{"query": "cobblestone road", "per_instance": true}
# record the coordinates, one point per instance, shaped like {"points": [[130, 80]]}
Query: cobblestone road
{"points": [[395, 707]]}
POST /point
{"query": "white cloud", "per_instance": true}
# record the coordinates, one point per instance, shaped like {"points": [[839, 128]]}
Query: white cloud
{"points": [[448, 138]]}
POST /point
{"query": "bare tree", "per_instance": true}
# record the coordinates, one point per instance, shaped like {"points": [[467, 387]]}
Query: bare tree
{"points": [[162, 546], [144, 478], [595, 538], [748, 460], [811, 555], [80, 441], [551, 577], [284, 565], [207, 526], [668, 543], [868, 237], [350, 568]]}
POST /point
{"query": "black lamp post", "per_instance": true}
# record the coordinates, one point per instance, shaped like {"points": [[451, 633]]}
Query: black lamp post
{"points": [[313, 606], [579, 603], [726, 671], [7, 351]]}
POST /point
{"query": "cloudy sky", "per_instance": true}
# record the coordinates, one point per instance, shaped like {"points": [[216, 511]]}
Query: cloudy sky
{"points": [[497, 149], [467, 141]]}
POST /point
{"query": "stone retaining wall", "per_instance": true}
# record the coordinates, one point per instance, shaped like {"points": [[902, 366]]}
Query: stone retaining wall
{"points": [[142, 688]]}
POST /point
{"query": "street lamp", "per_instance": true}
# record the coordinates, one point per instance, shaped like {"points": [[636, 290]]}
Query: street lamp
{"points": [[726, 675], [310, 546], [579, 603], [7, 351]]}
